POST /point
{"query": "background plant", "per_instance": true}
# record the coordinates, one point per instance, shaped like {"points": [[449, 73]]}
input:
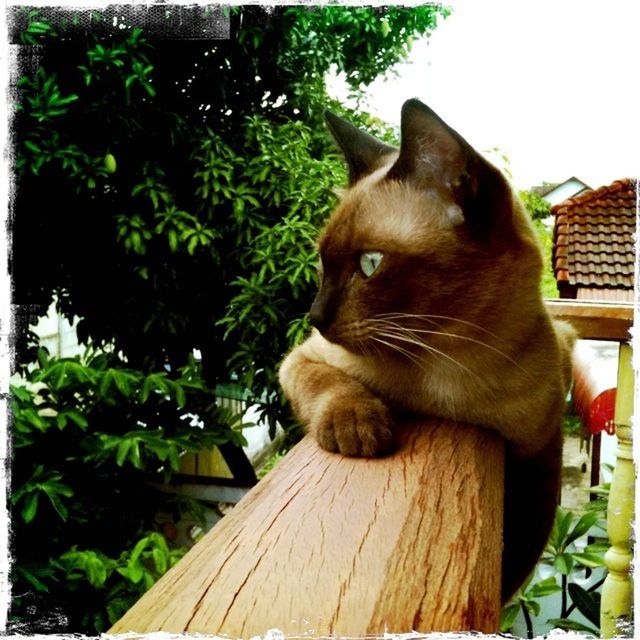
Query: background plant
{"points": [[166, 194], [564, 559], [88, 434], [540, 211]]}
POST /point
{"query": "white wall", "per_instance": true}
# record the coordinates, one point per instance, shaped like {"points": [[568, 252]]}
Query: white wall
{"points": [[58, 335], [564, 191]]}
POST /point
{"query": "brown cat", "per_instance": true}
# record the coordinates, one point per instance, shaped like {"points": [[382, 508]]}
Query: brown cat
{"points": [[429, 302]]}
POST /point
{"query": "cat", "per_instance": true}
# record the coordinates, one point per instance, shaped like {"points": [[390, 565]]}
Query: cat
{"points": [[429, 302]]}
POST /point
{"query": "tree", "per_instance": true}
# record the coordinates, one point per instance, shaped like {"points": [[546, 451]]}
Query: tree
{"points": [[167, 193], [540, 211], [537, 206]]}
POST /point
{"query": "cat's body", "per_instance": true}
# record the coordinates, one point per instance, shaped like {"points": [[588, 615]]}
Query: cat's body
{"points": [[430, 303]]}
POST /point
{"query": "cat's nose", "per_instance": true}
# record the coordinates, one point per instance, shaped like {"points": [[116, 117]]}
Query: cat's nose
{"points": [[318, 317], [323, 308]]}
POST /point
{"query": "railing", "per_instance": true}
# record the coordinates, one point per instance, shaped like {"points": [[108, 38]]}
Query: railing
{"points": [[612, 321], [327, 544], [617, 590], [353, 547]]}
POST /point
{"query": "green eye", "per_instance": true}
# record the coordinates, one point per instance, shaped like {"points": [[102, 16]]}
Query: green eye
{"points": [[370, 261]]}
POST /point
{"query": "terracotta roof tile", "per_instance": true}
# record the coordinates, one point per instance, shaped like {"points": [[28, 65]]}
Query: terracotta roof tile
{"points": [[593, 237]]}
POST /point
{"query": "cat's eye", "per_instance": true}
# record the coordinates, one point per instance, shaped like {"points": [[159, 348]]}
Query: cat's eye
{"points": [[370, 261]]}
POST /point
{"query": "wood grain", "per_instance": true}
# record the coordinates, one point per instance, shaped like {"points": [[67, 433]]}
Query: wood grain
{"points": [[333, 545], [595, 320]]}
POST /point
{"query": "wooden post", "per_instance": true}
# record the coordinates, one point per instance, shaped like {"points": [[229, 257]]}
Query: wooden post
{"points": [[333, 545], [617, 590]]}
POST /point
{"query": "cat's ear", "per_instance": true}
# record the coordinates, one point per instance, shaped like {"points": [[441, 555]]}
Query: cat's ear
{"points": [[361, 151], [432, 154]]}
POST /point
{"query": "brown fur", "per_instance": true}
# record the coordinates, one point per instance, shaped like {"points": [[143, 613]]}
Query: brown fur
{"points": [[472, 340]]}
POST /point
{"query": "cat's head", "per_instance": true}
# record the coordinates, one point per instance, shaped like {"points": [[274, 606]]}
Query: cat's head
{"points": [[430, 229]]}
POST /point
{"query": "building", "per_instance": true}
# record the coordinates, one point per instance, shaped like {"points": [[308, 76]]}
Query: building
{"points": [[593, 252], [556, 192]]}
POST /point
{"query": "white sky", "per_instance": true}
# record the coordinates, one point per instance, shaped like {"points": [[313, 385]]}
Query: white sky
{"points": [[553, 83]]}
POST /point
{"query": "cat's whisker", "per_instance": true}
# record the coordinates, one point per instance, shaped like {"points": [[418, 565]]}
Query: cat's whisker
{"points": [[377, 350], [405, 352], [430, 348], [428, 318], [403, 316], [394, 327], [413, 333], [412, 337]]}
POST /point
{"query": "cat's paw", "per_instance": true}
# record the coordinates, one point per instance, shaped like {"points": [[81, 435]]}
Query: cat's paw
{"points": [[355, 426]]}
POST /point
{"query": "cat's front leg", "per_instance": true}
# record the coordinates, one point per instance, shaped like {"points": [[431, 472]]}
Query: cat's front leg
{"points": [[341, 413]]}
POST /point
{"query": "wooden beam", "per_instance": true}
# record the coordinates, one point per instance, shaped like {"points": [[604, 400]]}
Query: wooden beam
{"points": [[333, 545], [595, 320]]}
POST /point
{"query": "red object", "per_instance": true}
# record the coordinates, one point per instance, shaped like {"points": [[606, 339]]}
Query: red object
{"points": [[601, 412], [596, 406]]}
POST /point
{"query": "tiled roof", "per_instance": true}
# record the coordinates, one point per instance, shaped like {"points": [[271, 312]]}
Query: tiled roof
{"points": [[593, 241]]}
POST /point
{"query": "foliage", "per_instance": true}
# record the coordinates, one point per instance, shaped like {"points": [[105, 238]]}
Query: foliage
{"points": [[271, 463], [573, 424], [536, 205], [563, 557], [166, 194], [87, 432], [548, 283], [540, 210]]}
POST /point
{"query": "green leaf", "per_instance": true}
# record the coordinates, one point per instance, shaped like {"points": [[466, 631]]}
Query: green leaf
{"points": [[544, 588], [587, 603], [123, 451], [136, 572], [96, 571], [572, 625], [34, 418], [582, 526], [32, 146], [160, 560], [181, 398], [38, 27], [149, 580], [30, 507], [564, 519], [59, 373], [140, 546], [508, 616], [32, 579], [532, 607], [57, 504], [135, 455], [587, 559], [173, 240], [77, 417], [58, 101], [106, 382], [563, 563], [174, 459]]}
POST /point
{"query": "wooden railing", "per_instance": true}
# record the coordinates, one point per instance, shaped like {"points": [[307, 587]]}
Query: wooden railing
{"points": [[333, 545], [612, 321], [595, 320], [353, 547]]}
